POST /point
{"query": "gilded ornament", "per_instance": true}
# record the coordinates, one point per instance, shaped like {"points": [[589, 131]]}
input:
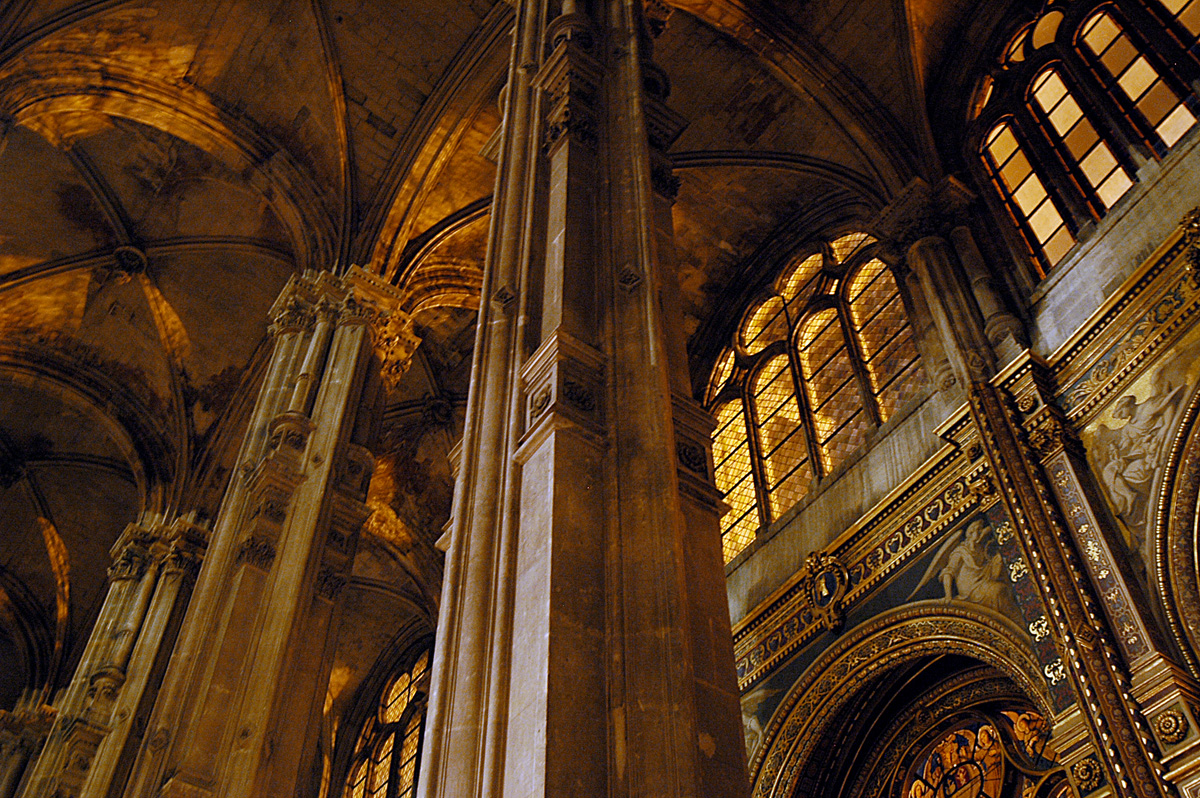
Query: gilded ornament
{"points": [[1087, 774], [1171, 726]]}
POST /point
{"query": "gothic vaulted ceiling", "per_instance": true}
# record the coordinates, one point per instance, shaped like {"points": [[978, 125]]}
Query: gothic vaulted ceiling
{"points": [[167, 164]]}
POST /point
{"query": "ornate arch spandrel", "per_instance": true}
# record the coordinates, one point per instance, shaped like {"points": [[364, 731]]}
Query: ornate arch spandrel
{"points": [[889, 640]]}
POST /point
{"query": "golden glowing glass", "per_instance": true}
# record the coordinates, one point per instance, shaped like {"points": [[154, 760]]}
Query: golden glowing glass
{"points": [[1137, 78]]}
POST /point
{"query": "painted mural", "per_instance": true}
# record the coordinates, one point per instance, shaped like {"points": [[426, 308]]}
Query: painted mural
{"points": [[1126, 443], [977, 562]]}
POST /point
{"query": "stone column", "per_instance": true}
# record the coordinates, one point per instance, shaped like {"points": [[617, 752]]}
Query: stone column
{"points": [[150, 580], [238, 713], [23, 733], [947, 275], [1104, 740], [583, 645]]}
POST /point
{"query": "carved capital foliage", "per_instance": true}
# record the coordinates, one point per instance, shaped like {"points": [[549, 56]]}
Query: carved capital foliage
{"points": [[329, 583], [257, 552], [922, 211]]}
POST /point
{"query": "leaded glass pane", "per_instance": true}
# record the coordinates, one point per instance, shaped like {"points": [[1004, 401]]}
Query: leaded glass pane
{"points": [[731, 453], [1081, 142], [847, 245], [764, 325], [967, 762], [781, 435], [1137, 78]]}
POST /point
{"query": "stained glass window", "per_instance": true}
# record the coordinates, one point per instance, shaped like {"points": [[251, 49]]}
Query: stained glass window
{"points": [[827, 356], [1136, 78], [385, 764], [1040, 220], [966, 763], [1067, 109]]}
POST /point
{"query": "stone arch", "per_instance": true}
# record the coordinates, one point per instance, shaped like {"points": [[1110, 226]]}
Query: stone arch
{"points": [[886, 642], [114, 407], [1176, 537]]}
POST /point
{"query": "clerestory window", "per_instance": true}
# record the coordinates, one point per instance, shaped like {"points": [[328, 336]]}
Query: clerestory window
{"points": [[1080, 96], [817, 364], [389, 747]]}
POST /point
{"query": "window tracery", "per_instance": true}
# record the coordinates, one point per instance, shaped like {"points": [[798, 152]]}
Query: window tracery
{"points": [[817, 364], [1080, 96], [387, 755]]}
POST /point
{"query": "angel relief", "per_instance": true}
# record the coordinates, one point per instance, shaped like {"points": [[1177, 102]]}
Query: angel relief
{"points": [[968, 566]]}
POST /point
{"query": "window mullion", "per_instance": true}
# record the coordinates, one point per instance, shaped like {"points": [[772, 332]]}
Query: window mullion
{"points": [[1060, 183], [857, 359], [1116, 129], [762, 494]]}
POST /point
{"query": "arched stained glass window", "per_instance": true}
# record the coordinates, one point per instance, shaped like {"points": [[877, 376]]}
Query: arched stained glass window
{"points": [[835, 322], [385, 760], [989, 754], [1077, 98]]}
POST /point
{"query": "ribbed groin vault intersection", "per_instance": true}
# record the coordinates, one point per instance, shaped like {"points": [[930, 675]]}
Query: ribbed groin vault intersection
{"points": [[613, 398]]}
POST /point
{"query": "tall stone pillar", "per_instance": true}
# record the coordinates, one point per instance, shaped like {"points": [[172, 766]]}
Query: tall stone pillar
{"points": [[95, 731], [951, 281], [239, 709], [583, 646]]}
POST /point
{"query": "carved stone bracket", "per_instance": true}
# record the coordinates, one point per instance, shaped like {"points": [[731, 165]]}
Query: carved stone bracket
{"points": [[570, 79], [564, 377]]}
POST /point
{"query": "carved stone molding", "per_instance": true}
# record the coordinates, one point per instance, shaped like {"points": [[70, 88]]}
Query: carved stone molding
{"points": [[257, 552], [868, 652]]}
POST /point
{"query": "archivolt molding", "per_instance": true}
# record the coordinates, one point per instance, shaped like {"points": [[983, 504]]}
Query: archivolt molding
{"points": [[1175, 544], [870, 651], [62, 106]]}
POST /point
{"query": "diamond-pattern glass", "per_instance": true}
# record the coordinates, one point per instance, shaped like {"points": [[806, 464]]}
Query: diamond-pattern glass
{"points": [[793, 285], [820, 340], [764, 326], [721, 373], [731, 452], [793, 486], [847, 245], [847, 440], [740, 534], [380, 766], [829, 417]]}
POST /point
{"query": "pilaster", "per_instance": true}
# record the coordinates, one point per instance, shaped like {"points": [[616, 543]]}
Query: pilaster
{"points": [[1106, 745]]}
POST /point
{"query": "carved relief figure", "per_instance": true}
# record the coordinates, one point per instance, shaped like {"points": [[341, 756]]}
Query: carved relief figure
{"points": [[969, 567]]}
